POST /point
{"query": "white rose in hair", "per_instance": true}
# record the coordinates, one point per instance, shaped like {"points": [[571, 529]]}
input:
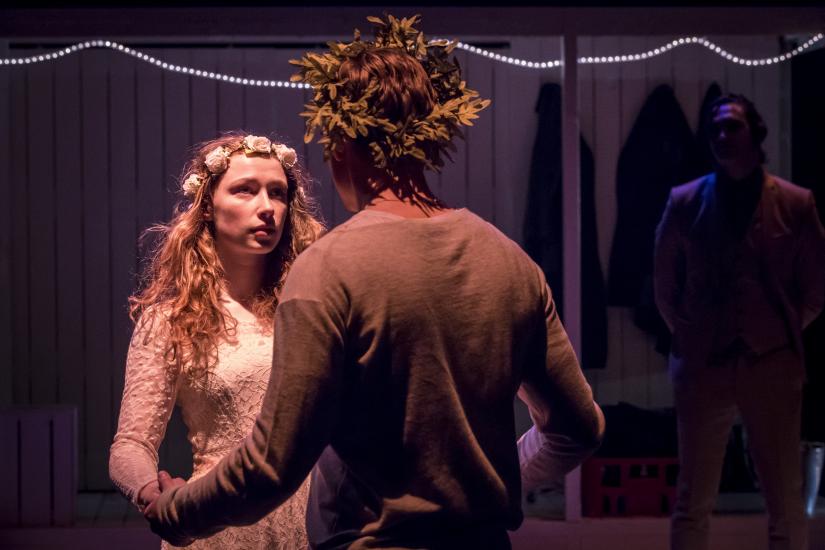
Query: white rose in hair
{"points": [[285, 154], [216, 161], [191, 184], [257, 144]]}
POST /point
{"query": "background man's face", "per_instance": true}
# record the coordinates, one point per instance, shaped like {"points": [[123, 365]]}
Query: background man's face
{"points": [[730, 135]]}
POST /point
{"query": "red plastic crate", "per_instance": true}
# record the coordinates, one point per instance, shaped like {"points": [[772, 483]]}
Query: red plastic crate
{"points": [[619, 487]]}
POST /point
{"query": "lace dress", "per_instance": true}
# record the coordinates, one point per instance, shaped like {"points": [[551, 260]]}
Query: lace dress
{"points": [[219, 413]]}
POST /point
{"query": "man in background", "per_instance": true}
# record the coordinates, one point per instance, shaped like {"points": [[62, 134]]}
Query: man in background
{"points": [[739, 271]]}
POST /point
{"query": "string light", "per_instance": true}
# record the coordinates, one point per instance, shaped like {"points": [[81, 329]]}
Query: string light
{"points": [[627, 58], [153, 61], [540, 65]]}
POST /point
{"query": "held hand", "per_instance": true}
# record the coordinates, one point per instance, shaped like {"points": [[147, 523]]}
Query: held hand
{"points": [[148, 494], [165, 483]]}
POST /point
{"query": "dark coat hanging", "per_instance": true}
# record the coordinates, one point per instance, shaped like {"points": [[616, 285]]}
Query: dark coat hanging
{"points": [[660, 152], [543, 226]]}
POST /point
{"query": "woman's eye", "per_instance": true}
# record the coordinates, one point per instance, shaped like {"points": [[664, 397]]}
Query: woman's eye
{"points": [[277, 193], [244, 189]]}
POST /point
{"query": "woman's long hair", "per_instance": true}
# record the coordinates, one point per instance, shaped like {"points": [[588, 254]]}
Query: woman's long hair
{"points": [[183, 278]]}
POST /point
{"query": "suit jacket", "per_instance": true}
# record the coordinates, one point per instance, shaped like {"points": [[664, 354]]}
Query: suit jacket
{"points": [[788, 239]]}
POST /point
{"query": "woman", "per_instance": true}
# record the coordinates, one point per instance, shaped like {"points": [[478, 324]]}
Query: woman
{"points": [[203, 336]]}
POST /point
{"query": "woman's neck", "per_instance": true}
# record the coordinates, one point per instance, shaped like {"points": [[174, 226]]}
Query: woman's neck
{"points": [[243, 276]]}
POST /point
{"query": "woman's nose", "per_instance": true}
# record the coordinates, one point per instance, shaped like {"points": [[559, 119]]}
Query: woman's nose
{"points": [[266, 206]]}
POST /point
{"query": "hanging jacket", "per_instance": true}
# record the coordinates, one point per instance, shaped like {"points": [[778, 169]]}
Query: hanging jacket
{"points": [[543, 226]]}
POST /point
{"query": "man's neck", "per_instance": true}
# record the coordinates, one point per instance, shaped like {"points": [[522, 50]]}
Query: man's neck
{"points": [[406, 207], [409, 196], [738, 171]]}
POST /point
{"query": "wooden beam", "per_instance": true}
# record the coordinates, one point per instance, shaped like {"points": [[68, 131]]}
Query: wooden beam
{"points": [[324, 21], [571, 232]]}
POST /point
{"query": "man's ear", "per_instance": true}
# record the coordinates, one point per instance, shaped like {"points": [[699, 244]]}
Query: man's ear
{"points": [[338, 151]]}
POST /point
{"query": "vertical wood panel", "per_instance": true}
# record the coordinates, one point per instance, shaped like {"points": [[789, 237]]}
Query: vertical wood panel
{"points": [[783, 131], [712, 69], [204, 97], [766, 96], [69, 121], [42, 231], [659, 392], [607, 143], [524, 86], [231, 99], [20, 236], [480, 152], [504, 215], [176, 126], [150, 146], [739, 77], [454, 177], [123, 207], [687, 62], [659, 69], [6, 356], [96, 274], [633, 93], [587, 119], [175, 454], [260, 116]]}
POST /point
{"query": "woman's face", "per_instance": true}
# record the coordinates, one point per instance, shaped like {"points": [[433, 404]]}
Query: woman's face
{"points": [[249, 205]]}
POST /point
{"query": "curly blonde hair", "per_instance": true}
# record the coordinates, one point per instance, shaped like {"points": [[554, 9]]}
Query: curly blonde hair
{"points": [[183, 278]]}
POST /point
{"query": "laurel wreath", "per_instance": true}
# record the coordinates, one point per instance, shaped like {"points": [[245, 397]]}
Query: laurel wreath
{"points": [[334, 114]]}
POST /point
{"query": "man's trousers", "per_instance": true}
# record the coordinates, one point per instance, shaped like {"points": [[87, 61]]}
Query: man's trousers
{"points": [[768, 397]]}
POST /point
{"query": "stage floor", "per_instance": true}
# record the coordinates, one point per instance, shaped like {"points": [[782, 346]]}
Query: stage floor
{"points": [[106, 520]]}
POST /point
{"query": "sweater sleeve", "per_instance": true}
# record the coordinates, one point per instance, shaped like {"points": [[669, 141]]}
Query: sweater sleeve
{"points": [[148, 399], [568, 424]]}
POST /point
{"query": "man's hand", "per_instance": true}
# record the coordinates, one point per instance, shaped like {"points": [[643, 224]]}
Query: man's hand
{"points": [[165, 483]]}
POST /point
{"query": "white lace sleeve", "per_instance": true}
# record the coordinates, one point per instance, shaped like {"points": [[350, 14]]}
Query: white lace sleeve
{"points": [[148, 399]]}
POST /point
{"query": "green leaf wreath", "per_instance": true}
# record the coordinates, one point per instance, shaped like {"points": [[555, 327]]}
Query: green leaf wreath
{"points": [[335, 114]]}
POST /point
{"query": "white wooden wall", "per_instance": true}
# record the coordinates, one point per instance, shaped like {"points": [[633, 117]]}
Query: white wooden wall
{"points": [[91, 145]]}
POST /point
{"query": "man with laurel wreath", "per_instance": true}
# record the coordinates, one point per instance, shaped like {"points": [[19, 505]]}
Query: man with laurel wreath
{"points": [[410, 329]]}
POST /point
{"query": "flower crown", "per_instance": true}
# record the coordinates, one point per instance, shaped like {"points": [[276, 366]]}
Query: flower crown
{"points": [[337, 113], [217, 160]]}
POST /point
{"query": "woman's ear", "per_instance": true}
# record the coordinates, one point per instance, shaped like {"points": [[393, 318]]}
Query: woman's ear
{"points": [[207, 212]]}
